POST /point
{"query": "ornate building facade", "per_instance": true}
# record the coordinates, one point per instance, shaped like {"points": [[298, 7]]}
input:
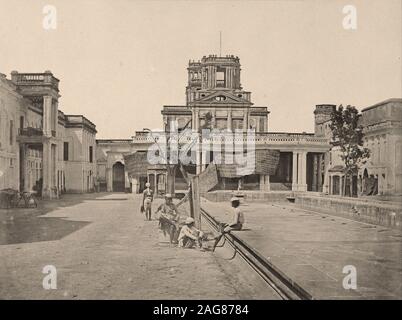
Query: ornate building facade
{"points": [[41, 148], [215, 99]]}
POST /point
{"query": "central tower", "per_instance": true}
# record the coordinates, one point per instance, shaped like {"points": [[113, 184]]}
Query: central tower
{"points": [[215, 99], [214, 74]]}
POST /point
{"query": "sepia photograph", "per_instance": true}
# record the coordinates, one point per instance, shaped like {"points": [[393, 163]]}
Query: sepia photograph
{"points": [[217, 152]]}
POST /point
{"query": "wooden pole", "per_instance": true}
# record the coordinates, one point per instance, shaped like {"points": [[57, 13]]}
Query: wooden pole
{"points": [[195, 192]]}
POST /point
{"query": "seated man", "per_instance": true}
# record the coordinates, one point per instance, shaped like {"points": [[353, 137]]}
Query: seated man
{"points": [[189, 234], [169, 218], [237, 220]]}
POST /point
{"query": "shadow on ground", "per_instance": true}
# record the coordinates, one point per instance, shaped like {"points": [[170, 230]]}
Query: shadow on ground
{"points": [[27, 225]]}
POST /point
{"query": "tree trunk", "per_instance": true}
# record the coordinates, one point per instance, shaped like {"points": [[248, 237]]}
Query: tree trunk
{"points": [[171, 172], [351, 185]]}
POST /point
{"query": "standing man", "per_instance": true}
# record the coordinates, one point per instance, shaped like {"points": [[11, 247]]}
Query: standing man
{"points": [[148, 197]]}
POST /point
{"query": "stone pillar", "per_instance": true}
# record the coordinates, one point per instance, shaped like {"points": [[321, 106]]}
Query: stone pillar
{"points": [[135, 185], [302, 186], [299, 173], [267, 186], [245, 120], [264, 183], [126, 181], [203, 160], [109, 179], [46, 167], [340, 185], [315, 172], [294, 171], [330, 185], [319, 173], [47, 116], [56, 116], [24, 167], [229, 119]]}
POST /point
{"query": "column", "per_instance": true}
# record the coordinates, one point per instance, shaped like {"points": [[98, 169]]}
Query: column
{"points": [[109, 179], [294, 171], [315, 172], [134, 184], [340, 185], [319, 173], [24, 167], [126, 181], [302, 171], [267, 184], [299, 173], [47, 116], [262, 182], [203, 160], [46, 170], [330, 185], [359, 185], [245, 120], [229, 126], [55, 116]]}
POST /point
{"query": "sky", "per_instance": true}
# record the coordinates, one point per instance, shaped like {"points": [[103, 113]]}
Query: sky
{"points": [[120, 61]]}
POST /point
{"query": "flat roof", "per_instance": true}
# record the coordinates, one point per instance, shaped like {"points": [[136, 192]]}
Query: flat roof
{"points": [[382, 103]]}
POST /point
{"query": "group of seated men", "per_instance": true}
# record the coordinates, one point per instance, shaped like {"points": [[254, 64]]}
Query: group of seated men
{"points": [[185, 234]]}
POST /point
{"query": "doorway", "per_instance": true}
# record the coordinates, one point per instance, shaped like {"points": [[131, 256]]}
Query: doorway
{"points": [[118, 177]]}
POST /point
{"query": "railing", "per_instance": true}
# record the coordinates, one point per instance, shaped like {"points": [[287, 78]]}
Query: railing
{"points": [[35, 78], [220, 83], [285, 287], [259, 138], [30, 132]]}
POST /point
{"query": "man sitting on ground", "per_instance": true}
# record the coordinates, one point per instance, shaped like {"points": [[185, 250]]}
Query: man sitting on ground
{"points": [[190, 235]]}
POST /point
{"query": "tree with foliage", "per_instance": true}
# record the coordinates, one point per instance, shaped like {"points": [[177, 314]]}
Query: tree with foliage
{"points": [[347, 134]]}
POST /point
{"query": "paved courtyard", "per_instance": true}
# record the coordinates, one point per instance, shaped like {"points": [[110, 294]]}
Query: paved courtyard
{"points": [[312, 249], [103, 249]]}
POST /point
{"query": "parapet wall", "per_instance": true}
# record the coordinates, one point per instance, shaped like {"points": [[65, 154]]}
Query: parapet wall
{"points": [[383, 213], [248, 196]]}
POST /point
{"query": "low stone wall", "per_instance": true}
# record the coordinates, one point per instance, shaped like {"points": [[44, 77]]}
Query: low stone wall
{"points": [[259, 196], [387, 214]]}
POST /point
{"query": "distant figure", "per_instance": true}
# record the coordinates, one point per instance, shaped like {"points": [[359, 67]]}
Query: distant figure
{"points": [[96, 182], [169, 218], [38, 187], [237, 220], [148, 197], [190, 235]]}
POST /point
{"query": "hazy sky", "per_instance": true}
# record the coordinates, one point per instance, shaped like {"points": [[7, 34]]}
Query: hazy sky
{"points": [[120, 61]]}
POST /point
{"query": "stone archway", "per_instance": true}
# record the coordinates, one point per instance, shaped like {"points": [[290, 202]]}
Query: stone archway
{"points": [[118, 177]]}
